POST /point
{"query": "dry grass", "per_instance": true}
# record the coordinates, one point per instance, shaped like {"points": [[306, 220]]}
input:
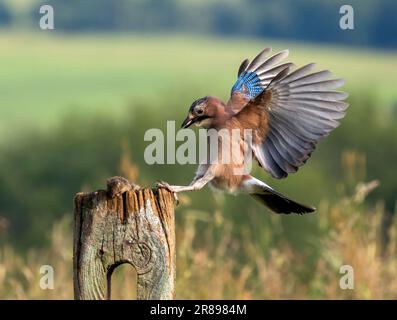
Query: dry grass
{"points": [[20, 274], [208, 268], [351, 237]]}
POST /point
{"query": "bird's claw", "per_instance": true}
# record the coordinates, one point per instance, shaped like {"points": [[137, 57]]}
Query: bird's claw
{"points": [[163, 184], [166, 185]]}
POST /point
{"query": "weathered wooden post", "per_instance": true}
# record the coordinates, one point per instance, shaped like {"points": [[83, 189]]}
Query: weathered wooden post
{"points": [[124, 225]]}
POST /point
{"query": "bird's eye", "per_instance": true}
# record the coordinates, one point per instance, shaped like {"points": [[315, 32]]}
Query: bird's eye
{"points": [[200, 111]]}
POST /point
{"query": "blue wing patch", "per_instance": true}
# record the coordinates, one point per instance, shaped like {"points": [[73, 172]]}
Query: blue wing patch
{"points": [[249, 84]]}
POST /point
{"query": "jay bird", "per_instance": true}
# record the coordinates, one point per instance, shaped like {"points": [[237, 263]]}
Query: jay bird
{"points": [[288, 112]]}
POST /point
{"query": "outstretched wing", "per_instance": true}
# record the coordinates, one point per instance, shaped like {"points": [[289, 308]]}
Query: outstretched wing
{"points": [[254, 77], [294, 111]]}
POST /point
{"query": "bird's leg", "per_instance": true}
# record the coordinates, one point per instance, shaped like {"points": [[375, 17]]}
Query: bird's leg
{"points": [[196, 184]]}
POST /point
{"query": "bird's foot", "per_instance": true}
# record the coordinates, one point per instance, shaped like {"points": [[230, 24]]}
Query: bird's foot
{"points": [[166, 185]]}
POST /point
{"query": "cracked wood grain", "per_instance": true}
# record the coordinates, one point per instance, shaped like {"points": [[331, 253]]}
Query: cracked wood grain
{"points": [[135, 227]]}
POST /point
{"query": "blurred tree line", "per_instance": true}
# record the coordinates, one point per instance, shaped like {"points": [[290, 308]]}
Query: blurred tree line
{"points": [[317, 21], [5, 15]]}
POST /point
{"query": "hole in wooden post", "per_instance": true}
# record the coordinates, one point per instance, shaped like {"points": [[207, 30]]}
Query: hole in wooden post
{"points": [[122, 282]]}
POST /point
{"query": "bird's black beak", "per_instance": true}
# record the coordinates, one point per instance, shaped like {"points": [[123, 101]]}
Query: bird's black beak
{"points": [[190, 120], [187, 122]]}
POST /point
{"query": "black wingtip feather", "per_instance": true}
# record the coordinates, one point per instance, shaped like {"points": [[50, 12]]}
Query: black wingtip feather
{"points": [[243, 67], [281, 204]]}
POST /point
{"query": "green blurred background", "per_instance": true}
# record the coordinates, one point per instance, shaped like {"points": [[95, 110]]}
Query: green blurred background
{"points": [[76, 102]]}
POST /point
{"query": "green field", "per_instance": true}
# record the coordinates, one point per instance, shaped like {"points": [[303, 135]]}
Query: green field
{"points": [[228, 247], [46, 75]]}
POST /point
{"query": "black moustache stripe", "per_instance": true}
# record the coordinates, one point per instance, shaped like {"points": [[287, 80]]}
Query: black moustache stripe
{"points": [[201, 118]]}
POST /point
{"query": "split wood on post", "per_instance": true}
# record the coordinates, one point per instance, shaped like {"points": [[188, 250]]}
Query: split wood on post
{"points": [[124, 225]]}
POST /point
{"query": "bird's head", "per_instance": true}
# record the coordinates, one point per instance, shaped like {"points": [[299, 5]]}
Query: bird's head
{"points": [[203, 112]]}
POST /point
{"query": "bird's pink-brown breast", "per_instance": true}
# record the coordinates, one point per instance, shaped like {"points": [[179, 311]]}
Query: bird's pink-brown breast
{"points": [[228, 176]]}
